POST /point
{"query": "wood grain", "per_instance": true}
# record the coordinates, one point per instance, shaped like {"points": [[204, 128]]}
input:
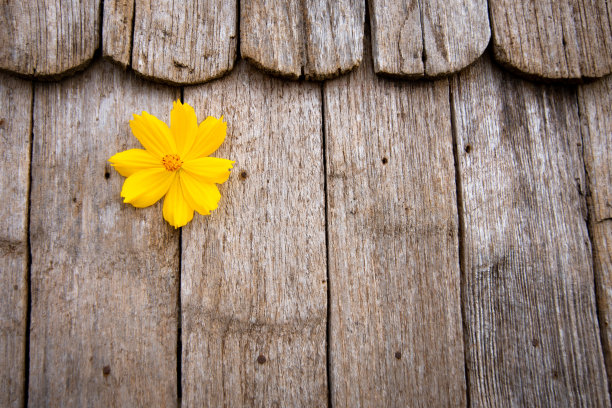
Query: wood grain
{"points": [[15, 130], [595, 102], [104, 274], [395, 328], [184, 42], [317, 38], [532, 335], [431, 38], [253, 286], [48, 38], [117, 30], [553, 39]]}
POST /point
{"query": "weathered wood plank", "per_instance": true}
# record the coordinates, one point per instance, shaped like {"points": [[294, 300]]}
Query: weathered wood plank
{"points": [[554, 39], [416, 38], [184, 42], [104, 274], [317, 38], [253, 287], [395, 334], [15, 129], [117, 30], [48, 38], [528, 291], [595, 101]]}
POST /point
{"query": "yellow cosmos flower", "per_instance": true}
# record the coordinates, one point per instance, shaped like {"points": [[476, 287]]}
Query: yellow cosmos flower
{"points": [[174, 164]]}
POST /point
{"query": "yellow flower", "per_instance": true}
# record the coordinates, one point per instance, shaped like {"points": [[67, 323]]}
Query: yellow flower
{"points": [[174, 164]]}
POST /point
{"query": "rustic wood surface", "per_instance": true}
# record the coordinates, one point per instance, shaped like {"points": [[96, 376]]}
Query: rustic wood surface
{"points": [[555, 39], [254, 283], [528, 292], [48, 38], [184, 42], [595, 101], [317, 38], [104, 274], [416, 38], [15, 129], [395, 322], [117, 30]]}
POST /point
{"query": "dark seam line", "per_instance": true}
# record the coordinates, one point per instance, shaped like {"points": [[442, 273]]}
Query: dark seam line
{"points": [[589, 225], [28, 278], [238, 40], [328, 318], [130, 62], [98, 52], [460, 239], [179, 315]]}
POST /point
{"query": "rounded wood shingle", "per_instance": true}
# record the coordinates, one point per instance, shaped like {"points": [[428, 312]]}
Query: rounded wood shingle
{"points": [[427, 38], [48, 39], [318, 39], [558, 40]]}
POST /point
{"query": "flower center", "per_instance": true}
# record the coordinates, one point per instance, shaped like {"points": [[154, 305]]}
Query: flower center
{"points": [[172, 162]]}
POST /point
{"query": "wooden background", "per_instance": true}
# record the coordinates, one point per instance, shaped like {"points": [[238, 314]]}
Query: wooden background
{"points": [[382, 242]]}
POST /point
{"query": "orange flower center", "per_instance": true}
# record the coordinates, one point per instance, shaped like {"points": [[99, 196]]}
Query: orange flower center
{"points": [[172, 162]]}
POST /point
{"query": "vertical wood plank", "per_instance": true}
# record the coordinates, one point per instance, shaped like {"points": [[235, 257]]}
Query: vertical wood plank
{"points": [[15, 129], [416, 38], [117, 30], [184, 42], [104, 274], [595, 101], [317, 38], [528, 290], [253, 287], [555, 39], [48, 38], [395, 331]]}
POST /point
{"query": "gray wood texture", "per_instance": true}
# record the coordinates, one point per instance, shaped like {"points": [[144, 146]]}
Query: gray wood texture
{"points": [[595, 101], [395, 328], [528, 293], [15, 129], [416, 38], [117, 30], [554, 39], [254, 285], [317, 38], [104, 274], [48, 38], [184, 42]]}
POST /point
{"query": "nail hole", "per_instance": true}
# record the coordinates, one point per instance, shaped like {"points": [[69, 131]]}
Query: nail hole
{"points": [[385, 160], [15, 287], [468, 148], [107, 175], [398, 355], [535, 342], [243, 175], [261, 359], [106, 370], [74, 199], [1, 122]]}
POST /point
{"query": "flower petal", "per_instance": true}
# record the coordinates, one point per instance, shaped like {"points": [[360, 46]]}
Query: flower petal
{"points": [[130, 161], [202, 196], [146, 187], [210, 135], [210, 169], [184, 126], [177, 210], [153, 134]]}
